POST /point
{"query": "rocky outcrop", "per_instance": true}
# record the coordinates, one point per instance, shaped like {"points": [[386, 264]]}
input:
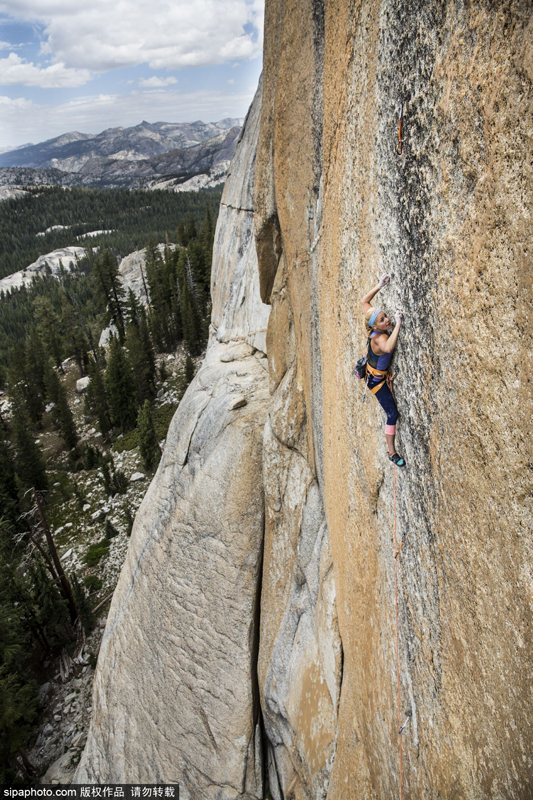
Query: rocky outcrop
{"points": [[336, 207], [238, 312], [175, 694], [54, 263]]}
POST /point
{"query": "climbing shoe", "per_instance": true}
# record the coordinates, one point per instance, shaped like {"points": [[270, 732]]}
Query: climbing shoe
{"points": [[398, 460]]}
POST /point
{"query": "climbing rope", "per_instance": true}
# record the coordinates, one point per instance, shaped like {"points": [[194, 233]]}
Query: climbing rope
{"points": [[396, 551], [409, 713]]}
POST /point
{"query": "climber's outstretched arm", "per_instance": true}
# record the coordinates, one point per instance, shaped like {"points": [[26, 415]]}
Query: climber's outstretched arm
{"points": [[388, 343], [365, 302]]}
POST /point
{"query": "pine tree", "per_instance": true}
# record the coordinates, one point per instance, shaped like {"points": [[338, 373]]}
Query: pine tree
{"points": [[29, 463], [50, 555], [106, 275], [18, 710], [207, 235], [52, 383], [18, 692], [61, 413], [120, 388], [148, 444], [133, 312], [139, 365], [96, 399], [48, 325], [65, 420], [85, 614], [158, 301], [110, 531], [34, 374], [199, 271], [147, 351], [9, 503], [106, 478], [190, 319], [181, 234], [53, 612], [73, 334], [190, 230], [17, 593], [129, 519]]}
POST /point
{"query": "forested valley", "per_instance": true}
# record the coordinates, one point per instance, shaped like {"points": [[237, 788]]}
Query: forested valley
{"points": [[81, 414]]}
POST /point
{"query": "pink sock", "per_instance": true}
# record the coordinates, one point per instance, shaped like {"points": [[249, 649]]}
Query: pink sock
{"points": [[390, 429]]}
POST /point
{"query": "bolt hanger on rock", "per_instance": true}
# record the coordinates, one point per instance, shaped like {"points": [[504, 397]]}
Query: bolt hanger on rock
{"points": [[409, 715], [399, 146]]}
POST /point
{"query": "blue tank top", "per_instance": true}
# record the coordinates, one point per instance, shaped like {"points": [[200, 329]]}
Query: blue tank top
{"points": [[378, 362]]}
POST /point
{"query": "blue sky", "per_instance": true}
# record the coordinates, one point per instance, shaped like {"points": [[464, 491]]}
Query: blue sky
{"points": [[67, 65]]}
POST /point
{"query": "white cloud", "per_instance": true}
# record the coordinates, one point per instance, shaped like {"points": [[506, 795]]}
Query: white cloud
{"points": [[9, 105], [155, 82], [15, 71], [100, 36], [231, 81]]}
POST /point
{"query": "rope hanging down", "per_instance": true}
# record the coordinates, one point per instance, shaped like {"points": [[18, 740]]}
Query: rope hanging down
{"points": [[396, 551], [409, 713]]}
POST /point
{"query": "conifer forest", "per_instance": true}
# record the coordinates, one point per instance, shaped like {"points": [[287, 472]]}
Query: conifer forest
{"points": [[67, 445]]}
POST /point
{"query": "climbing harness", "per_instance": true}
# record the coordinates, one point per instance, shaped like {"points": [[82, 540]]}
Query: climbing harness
{"points": [[377, 373], [399, 146]]}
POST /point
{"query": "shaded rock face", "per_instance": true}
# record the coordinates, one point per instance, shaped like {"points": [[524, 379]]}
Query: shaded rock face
{"points": [[238, 312], [450, 219], [175, 695], [174, 689]]}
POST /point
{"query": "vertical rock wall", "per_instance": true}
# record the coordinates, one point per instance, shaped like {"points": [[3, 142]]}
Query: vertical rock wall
{"points": [[238, 312], [175, 694], [176, 691], [451, 220]]}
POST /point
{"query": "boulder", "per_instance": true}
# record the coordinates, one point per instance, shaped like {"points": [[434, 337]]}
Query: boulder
{"points": [[82, 384], [60, 772], [44, 693]]}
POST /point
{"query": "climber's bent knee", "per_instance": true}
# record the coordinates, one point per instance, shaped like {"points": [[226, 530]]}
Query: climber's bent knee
{"points": [[388, 404]]}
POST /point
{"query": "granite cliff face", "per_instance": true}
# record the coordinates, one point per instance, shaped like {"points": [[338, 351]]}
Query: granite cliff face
{"points": [[451, 220], [251, 643], [175, 693]]}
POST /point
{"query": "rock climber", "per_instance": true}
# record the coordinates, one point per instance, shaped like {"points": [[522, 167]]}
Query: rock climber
{"points": [[382, 339]]}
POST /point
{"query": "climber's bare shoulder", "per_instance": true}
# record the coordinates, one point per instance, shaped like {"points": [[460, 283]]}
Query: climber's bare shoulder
{"points": [[380, 344]]}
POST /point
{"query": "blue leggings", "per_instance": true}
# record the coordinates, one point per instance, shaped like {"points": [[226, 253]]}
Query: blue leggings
{"points": [[387, 403]]}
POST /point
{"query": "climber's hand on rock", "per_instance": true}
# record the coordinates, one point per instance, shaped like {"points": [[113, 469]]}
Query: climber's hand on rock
{"points": [[384, 280], [398, 317]]}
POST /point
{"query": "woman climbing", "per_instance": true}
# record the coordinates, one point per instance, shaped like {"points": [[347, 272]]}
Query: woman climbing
{"points": [[381, 343]]}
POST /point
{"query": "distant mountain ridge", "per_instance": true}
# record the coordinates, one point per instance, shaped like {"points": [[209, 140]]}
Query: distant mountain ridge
{"points": [[146, 156], [71, 151]]}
